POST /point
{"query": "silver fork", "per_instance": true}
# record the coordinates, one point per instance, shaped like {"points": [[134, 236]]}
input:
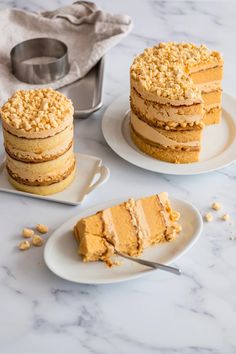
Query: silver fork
{"points": [[151, 264]]}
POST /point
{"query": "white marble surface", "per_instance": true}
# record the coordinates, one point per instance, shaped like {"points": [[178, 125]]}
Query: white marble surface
{"points": [[164, 314]]}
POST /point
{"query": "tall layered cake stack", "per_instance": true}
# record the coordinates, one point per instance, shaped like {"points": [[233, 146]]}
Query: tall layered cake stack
{"points": [[175, 91], [38, 139], [130, 227]]}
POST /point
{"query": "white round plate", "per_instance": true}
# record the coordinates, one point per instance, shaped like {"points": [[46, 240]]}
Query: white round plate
{"points": [[218, 143], [61, 255]]}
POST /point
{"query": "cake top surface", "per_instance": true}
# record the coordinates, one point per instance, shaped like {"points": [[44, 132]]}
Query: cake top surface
{"points": [[164, 69], [36, 110]]}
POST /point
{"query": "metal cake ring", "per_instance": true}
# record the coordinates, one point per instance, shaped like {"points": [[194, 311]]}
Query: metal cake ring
{"points": [[36, 72]]}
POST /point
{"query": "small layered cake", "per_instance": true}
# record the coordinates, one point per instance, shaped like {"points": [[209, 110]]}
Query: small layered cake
{"points": [[38, 139], [175, 91], [129, 227]]}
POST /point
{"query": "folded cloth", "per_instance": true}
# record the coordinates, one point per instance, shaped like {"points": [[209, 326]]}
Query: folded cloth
{"points": [[88, 32]]}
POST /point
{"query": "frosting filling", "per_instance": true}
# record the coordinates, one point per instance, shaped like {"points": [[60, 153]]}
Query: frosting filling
{"points": [[41, 171], [109, 227], [209, 86], [155, 136], [165, 115], [139, 222]]}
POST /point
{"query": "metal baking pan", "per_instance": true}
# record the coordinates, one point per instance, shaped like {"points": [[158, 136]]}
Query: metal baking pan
{"points": [[86, 93]]}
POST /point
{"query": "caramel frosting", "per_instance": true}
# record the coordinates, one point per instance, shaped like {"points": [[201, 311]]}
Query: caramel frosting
{"points": [[42, 171], [163, 114], [46, 155], [152, 134], [209, 86], [139, 222], [109, 227]]}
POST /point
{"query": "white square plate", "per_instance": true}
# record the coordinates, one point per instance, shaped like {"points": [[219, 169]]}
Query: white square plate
{"points": [[90, 174]]}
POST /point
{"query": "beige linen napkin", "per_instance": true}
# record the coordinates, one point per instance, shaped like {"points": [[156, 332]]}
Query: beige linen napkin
{"points": [[88, 32]]}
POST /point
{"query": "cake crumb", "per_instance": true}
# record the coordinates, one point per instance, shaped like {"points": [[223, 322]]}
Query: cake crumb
{"points": [[27, 233], [24, 245], [225, 217], [43, 229], [37, 241], [216, 206], [208, 217]]}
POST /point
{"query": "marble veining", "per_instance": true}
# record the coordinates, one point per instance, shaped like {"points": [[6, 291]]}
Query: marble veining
{"points": [[162, 314]]}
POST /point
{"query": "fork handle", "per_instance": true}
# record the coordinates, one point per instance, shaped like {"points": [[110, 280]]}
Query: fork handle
{"points": [[151, 264]]}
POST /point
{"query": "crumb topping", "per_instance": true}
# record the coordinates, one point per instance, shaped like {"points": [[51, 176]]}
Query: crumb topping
{"points": [[164, 69], [36, 110]]}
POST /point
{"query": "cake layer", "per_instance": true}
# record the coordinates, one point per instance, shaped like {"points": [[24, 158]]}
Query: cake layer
{"points": [[41, 173], [145, 222], [212, 99], [207, 76], [165, 154], [212, 116], [161, 115], [38, 150], [172, 139], [44, 189]]}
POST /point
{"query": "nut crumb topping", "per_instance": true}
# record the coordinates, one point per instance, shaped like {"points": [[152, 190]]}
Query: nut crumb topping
{"points": [[43, 229], [36, 110], [27, 233], [208, 217], [216, 206], [225, 217], [37, 241], [164, 69]]}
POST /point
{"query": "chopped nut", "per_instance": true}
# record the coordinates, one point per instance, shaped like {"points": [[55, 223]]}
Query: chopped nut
{"points": [[27, 233], [24, 245], [208, 217], [37, 241], [164, 69], [43, 229], [216, 206], [225, 217], [175, 215], [177, 227]]}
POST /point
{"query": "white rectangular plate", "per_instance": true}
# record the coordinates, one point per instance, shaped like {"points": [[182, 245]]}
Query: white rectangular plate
{"points": [[90, 174]]}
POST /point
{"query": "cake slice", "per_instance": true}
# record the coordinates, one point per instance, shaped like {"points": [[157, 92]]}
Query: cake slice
{"points": [[175, 89], [130, 227]]}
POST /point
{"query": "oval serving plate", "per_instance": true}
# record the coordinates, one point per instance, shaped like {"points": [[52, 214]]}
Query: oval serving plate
{"points": [[61, 256]]}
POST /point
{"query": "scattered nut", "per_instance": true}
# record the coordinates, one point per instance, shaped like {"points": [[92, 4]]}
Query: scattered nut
{"points": [[24, 245], [232, 238], [208, 217], [37, 241], [43, 229], [216, 206], [27, 233], [225, 217]]}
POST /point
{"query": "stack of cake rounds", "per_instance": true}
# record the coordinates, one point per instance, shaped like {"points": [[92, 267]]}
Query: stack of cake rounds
{"points": [[38, 139], [175, 91]]}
